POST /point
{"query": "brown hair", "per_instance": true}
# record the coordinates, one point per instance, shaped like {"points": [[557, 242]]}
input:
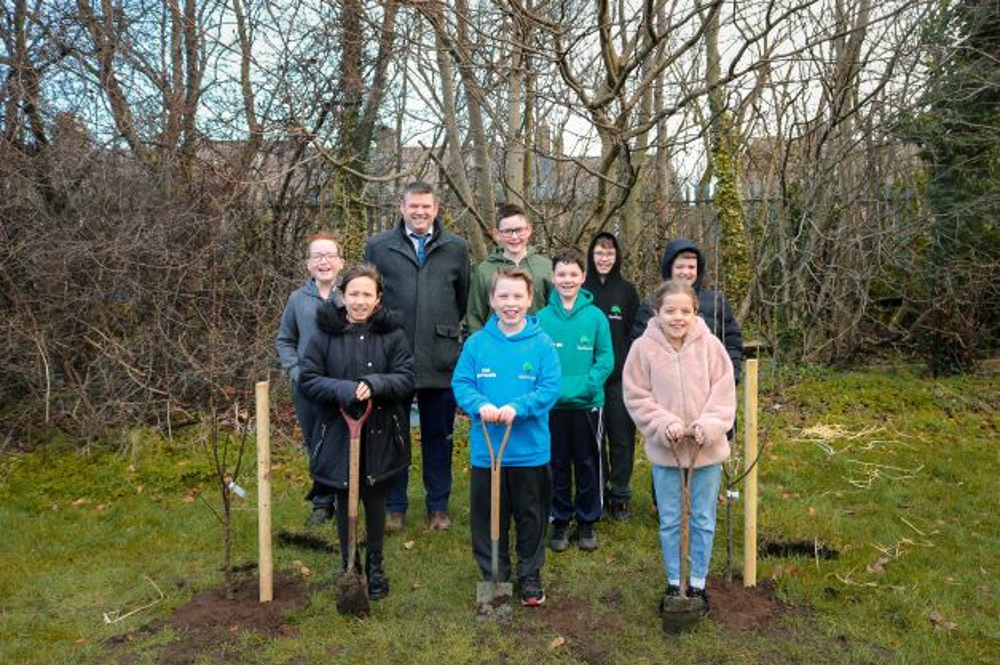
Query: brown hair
{"points": [[322, 235], [569, 255], [672, 287], [508, 272], [362, 270], [605, 242], [509, 210], [418, 187], [687, 254]]}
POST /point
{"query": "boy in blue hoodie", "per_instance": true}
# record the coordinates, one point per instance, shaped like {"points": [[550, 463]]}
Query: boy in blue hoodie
{"points": [[582, 337], [508, 374]]}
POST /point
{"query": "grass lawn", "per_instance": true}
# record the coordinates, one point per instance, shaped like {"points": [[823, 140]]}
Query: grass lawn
{"points": [[891, 475]]}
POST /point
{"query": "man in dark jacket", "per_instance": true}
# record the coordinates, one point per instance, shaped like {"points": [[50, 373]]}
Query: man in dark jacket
{"points": [[619, 301], [684, 261], [426, 273]]}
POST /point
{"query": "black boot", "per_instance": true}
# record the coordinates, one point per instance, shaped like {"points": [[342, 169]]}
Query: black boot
{"points": [[378, 583]]}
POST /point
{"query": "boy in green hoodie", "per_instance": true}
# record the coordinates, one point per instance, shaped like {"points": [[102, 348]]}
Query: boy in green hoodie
{"points": [[583, 341]]}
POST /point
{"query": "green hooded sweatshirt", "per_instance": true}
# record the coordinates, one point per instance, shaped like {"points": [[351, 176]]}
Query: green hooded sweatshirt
{"points": [[583, 340], [478, 310]]}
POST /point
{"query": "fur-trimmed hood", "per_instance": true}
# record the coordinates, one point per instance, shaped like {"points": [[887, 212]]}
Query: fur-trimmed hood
{"points": [[332, 319]]}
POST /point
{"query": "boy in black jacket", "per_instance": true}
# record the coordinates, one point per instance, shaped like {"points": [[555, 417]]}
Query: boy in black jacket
{"points": [[684, 261], [619, 301]]}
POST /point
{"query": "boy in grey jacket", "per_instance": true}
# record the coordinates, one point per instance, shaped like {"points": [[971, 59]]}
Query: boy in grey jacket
{"points": [[298, 324]]}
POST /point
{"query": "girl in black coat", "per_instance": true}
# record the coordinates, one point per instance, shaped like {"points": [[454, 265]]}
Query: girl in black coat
{"points": [[360, 353]]}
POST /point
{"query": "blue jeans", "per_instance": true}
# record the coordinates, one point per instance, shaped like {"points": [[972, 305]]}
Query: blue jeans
{"points": [[437, 422], [704, 498]]}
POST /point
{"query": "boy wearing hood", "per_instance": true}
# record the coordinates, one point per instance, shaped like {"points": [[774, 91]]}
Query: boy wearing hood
{"points": [[512, 233], [583, 340], [498, 393], [618, 299], [683, 260]]}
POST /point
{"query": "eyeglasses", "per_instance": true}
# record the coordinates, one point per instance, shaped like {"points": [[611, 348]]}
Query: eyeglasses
{"points": [[518, 231], [598, 254], [316, 256]]}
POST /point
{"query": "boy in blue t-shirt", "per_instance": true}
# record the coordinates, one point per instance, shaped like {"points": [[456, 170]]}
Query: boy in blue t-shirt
{"points": [[508, 374]]}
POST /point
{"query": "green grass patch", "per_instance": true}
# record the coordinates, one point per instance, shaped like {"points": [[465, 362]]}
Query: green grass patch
{"points": [[894, 472]]}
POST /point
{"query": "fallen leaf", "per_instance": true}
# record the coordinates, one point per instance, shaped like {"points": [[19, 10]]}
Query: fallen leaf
{"points": [[55, 506], [812, 512], [556, 643], [81, 501], [131, 468], [139, 489], [416, 585], [940, 622], [786, 495], [100, 507], [878, 567], [82, 640], [408, 545]]}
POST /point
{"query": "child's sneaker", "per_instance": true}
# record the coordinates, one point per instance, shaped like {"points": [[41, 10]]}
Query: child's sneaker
{"points": [[587, 538], [672, 591], [559, 541], [699, 593], [532, 594]]}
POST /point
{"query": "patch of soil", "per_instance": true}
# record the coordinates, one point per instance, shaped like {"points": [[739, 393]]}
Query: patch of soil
{"points": [[211, 609], [210, 623], [583, 627], [740, 608]]}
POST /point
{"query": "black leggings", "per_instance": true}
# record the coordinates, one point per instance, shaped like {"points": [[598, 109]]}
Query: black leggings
{"points": [[373, 499]]}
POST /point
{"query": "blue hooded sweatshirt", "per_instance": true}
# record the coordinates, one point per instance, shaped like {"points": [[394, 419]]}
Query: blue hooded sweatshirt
{"points": [[521, 370]]}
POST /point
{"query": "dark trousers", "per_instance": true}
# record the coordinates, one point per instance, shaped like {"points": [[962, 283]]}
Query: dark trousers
{"points": [[308, 414], [437, 422], [576, 460], [524, 495], [373, 499], [618, 443]]}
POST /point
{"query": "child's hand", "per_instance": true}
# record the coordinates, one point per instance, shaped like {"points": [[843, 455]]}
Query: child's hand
{"points": [[675, 432], [363, 391], [506, 414], [489, 413], [699, 434]]}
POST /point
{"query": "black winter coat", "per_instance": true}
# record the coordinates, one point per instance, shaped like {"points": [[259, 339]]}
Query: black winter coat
{"points": [[712, 305], [339, 356], [431, 297], [617, 298]]}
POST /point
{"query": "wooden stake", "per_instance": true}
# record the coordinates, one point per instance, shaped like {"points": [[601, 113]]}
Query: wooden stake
{"points": [[750, 459], [265, 563]]}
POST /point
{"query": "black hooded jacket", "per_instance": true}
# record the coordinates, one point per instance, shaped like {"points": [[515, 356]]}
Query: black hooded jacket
{"points": [[340, 355], [617, 298], [712, 305]]}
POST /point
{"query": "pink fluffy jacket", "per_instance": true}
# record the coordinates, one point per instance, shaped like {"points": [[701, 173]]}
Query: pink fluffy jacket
{"points": [[694, 385]]}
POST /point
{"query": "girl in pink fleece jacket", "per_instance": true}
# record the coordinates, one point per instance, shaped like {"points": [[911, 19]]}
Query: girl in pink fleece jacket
{"points": [[680, 390]]}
